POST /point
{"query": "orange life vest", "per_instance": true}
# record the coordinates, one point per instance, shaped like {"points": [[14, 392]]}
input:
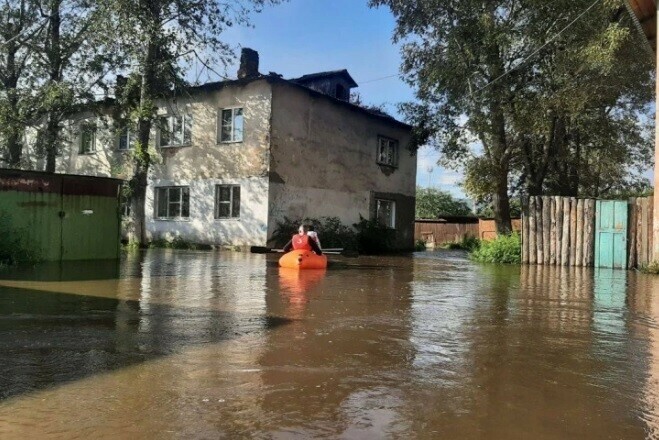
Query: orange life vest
{"points": [[301, 242]]}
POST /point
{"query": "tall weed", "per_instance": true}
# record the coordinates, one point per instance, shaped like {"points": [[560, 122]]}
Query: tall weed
{"points": [[505, 249]]}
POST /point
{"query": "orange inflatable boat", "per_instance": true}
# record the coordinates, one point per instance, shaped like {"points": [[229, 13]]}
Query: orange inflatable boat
{"points": [[301, 259]]}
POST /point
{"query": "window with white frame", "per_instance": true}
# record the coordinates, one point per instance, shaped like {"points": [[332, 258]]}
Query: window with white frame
{"points": [[126, 139], [387, 151], [385, 212], [173, 202], [227, 201], [230, 125], [87, 139], [175, 130]]}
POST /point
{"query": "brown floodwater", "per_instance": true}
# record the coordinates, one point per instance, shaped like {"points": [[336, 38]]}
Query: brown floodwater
{"points": [[180, 344]]}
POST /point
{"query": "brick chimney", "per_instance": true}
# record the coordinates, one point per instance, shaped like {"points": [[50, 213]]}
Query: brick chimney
{"points": [[249, 64]]}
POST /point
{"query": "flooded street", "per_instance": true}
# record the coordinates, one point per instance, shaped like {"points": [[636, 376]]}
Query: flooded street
{"points": [[227, 345]]}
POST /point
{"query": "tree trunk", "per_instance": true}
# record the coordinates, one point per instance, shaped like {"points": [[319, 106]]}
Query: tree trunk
{"points": [[51, 139], [55, 66], [139, 181], [501, 205]]}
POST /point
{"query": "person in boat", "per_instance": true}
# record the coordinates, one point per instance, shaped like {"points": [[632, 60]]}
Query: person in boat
{"points": [[302, 241], [314, 235]]}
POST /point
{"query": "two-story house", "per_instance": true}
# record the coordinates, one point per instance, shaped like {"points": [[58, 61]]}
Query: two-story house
{"points": [[234, 157]]}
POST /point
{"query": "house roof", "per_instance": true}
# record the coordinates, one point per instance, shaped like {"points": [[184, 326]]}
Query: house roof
{"points": [[330, 73], [276, 79], [644, 13]]}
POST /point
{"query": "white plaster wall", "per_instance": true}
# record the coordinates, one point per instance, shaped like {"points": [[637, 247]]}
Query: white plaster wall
{"points": [[201, 164], [201, 227]]}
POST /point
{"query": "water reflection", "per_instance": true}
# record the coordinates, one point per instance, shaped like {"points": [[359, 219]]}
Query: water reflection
{"points": [[207, 345]]}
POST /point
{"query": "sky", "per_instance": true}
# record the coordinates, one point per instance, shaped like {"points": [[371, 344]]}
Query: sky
{"points": [[306, 36]]}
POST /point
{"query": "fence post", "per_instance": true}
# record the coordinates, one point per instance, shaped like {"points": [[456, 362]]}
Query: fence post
{"points": [[558, 201], [565, 238], [580, 232], [539, 223], [525, 230], [589, 235], [533, 252]]}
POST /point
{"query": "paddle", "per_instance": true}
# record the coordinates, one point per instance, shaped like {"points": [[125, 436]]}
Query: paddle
{"points": [[338, 251]]}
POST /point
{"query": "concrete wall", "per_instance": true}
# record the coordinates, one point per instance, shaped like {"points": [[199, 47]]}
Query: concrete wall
{"points": [[323, 162]]}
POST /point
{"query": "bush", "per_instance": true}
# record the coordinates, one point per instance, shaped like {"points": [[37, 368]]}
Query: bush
{"points": [[332, 233], [373, 238], [505, 249], [419, 245], [468, 243], [367, 236]]}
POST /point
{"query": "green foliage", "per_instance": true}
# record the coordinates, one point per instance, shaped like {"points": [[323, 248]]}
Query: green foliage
{"points": [[332, 233], [486, 211], [176, 243], [505, 249], [15, 247], [131, 246], [419, 245], [520, 106], [468, 243], [433, 203], [373, 237], [366, 236]]}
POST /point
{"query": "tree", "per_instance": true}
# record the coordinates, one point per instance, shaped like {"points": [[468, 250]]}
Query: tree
{"points": [[503, 75], [159, 38], [74, 56], [19, 27], [433, 203]]}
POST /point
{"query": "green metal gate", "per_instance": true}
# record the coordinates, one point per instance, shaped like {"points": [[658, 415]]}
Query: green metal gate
{"points": [[611, 234], [59, 216]]}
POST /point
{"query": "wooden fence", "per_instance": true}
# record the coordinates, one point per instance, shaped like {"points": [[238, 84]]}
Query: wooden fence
{"points": [[639, 237], [561, 231], [438, 231], [558, 231]]}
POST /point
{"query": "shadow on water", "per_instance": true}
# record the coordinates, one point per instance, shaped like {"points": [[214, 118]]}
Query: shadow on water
{"points": [[48, 338], [65, 271]]}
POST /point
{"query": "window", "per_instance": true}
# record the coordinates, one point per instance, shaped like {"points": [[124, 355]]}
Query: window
{"points": [[175, 130], [231, 125], [227, 201], [387, 151], [173, 202], [385, 212], [126, 139], [87, 139]]}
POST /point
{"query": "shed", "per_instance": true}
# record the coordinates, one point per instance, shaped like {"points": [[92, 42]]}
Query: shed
{"points": [[61, 216]]}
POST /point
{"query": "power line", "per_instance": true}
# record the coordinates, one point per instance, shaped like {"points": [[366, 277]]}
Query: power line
{"points": [[538, 49], [377, 79], [554, 37]]}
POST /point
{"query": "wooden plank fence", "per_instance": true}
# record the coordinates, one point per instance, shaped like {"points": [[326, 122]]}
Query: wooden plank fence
{"points": [[639, 236], [560, 231]]}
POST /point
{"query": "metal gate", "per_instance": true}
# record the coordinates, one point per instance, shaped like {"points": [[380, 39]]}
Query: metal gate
{"points": [[611, 234]]}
